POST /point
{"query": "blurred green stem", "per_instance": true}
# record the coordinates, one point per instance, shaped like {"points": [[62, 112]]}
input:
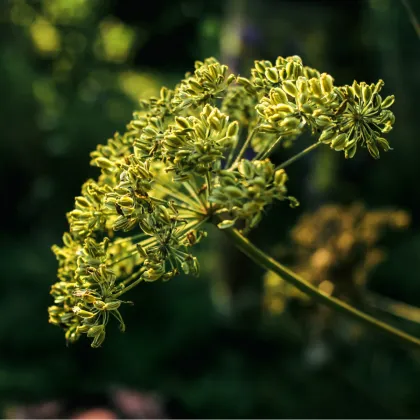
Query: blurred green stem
{"points": [[393, 307], [289, 276], [412, 16]]}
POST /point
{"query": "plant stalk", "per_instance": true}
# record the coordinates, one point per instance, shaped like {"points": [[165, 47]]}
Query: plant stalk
{"points": [[289, 276], [245, 146], [298, 156]]}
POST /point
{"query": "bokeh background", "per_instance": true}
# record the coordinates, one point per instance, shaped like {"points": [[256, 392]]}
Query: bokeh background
{"points": [[72, 72]]}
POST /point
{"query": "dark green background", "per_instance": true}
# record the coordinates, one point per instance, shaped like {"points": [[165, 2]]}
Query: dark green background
{"points": [[209, 354]]}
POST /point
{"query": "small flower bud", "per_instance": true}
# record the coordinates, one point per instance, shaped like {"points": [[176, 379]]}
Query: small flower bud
{"points": [[99, 304], [366, 93], [81, 329], [95, 330], [112, 305], [339, 142], [246, 169], [315, 86], [388, 101], [272, 75], [326, 83], [182, 122], [98, 340], [233, 129], [259, 65], [280, 177], [226, 224], [233, 192], [82, 313], [290, 88]]}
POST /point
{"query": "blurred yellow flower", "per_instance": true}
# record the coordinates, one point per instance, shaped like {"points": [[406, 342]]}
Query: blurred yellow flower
{"points": [[115, 41], [138, 85], [45, 36]]}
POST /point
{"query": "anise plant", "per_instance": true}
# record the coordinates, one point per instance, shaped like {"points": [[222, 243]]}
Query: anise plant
{"points": [[182, 164]]}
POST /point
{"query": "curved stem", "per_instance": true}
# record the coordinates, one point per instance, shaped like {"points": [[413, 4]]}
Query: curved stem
{"points": [[289, 276], [298, 156]]}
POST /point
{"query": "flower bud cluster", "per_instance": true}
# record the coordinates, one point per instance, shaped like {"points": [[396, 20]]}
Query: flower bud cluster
{"points": [[242, 195], [184, 161], [84, 296], [195, 144], [209, 81], [362, 119], [294, 98], [266, 75]]}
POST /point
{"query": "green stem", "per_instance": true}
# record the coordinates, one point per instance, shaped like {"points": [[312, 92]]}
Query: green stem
{"points": [[133, 276], [130, 286], [194, 192], [264, 153], [245, 146], [298, 156], [129, 238], [125, 257], [289, 276], [179, 196], [232, 150], [180, 206], [208, 190]]}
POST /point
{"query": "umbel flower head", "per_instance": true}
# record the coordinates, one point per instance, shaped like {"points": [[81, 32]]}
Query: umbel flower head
{"points": [[183, 162]]}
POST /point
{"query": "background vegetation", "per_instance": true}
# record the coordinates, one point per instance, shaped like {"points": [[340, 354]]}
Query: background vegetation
{"points": [[71, 74]]}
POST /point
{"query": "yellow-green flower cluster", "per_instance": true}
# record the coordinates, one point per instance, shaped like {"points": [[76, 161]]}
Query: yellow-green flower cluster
{"points": [[362, 119], [294, 98], [266, 75], [209, 81], [241, 195], [195, 154], [85, 295], [197, 144]]}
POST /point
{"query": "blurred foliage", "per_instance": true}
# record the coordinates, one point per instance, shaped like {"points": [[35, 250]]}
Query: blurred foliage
{"points": [[335, 248], [72, 71]]}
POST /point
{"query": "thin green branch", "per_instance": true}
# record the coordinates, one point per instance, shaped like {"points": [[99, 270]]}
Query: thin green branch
{"points": [[208, 190], [179, 196], [194, 211], [131, 254], [265, 152], [269, 263], [133, 276], [232, 149], [298, 156], [130, 286], [129, 238], [192, 188], [245, 146]]}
